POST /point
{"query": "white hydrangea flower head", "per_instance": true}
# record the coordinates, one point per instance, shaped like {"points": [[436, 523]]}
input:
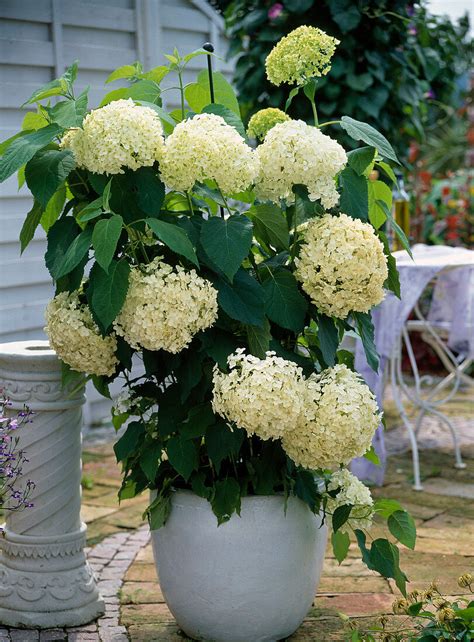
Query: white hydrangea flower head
{"points": [[206, 147], [263, 396], [165, 307], [339, 418], [294, 153], [75, 337], [304, 53], [341, 265], [352, 491], [120, 134]]}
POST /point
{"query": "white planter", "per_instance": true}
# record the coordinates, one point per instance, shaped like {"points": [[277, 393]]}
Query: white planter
{"points": [[252, 579], [45, 580]]}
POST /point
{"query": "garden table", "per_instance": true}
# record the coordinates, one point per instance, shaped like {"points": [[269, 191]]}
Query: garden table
{"points": [[448, 328]]}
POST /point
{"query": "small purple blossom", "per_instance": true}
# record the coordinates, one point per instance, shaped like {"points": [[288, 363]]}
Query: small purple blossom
{"points": [[275, 11], [430, 94], [412, 30], [410, 10], [12, 459]]}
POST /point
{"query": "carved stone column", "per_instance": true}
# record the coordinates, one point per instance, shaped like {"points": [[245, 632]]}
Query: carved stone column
{"points": [[45, 580]]}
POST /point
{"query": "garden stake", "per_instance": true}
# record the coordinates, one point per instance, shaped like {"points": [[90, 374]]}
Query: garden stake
{"points": [[209, 47]]}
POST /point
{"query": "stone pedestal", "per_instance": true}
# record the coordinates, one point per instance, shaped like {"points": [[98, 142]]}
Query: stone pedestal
{"points": [[45, 580]]}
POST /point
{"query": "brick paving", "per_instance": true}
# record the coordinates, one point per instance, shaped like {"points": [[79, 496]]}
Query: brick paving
{"points": [[120, 553]]}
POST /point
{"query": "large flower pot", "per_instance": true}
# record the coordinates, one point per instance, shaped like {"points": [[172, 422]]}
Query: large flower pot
{"points": [[252, 579]]}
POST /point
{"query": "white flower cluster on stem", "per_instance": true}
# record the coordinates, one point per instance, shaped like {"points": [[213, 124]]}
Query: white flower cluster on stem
{"points": [[75, 337], [323, 421], [165, 307], [351, 492]]}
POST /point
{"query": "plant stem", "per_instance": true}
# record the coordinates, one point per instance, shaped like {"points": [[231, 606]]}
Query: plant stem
{"points": [[181, 91], [190, 202], [225, 203], [315, 112], [330, 122]]}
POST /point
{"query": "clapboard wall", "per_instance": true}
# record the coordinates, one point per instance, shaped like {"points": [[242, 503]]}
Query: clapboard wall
{"points": [[38, 39]]}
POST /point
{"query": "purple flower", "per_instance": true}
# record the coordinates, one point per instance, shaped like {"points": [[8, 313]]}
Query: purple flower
{"points": [[430, 94], [275, 11], [410, 10], [412, 30]]}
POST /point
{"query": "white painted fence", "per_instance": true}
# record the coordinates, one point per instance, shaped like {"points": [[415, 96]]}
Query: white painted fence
{"points": [[38, 39]]}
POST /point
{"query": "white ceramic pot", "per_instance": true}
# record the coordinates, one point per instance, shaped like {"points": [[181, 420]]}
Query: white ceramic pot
{"points": [[252, 579]]}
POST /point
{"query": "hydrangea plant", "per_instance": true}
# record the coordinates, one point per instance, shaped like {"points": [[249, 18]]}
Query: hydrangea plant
{"points": [[216, 277]]}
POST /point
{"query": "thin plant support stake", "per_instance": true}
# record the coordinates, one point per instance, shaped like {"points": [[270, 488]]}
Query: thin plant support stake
{"points": [[209, 47]]}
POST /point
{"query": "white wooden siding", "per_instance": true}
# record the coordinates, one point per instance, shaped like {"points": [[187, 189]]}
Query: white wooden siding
{"points": [[38, 39]]}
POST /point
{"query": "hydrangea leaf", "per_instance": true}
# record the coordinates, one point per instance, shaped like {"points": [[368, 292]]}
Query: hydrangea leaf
{"points": [[30, 224], [402, 527], [226, 499], [74, 253], [243, 300], [270, 225], [328, 338], [198, 94], [105, 238], [175, 238], [355, 195], [368, 134], [46, 171], [222, 442], [284, 304], [22, 149], [107, 291], [182, 455], [340, 545], [227, 242], [230, 117]]}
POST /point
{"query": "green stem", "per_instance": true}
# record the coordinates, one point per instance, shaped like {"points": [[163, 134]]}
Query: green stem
{"points": [[181, 91], [254, 265], [225, 203], [330, 122], [315, 112], [190, 203]]}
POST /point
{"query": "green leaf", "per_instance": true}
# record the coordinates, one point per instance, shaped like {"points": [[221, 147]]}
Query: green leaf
{"points": [[126, 71], [105, 238], [182, 455], [55, 87], [346, 357], [372, 456], [368, 134], [386, 507], [306, 489], [164, 116], [340, 545], [150, 191], [230, 117], [328, 338], [5, 144], [69, 113], [226, 499], [107, 291], [91, 210], [196, 423], [158, 511], [340, 516], [174, 237], [75, 253], [366, 331], [33, 120], [198, 94], [32, 221], [393, 279], [270, 226], [379, 193], [46, 171], [284, 304], [147, 90], [60, 237], [21, 150], [223, 442], [398, 230], [53, 209], [150, 459], [304, 209], [402, 527], [157, 73], [385, 558], [243, 300], [227, 242], [361, 159], [259, 339], [355, 194], [388, 171], [294, 92], [198, 484], [129, 441]]}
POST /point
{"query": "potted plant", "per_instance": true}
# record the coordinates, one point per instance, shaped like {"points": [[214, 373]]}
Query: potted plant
{"points": [[221, 278]]}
